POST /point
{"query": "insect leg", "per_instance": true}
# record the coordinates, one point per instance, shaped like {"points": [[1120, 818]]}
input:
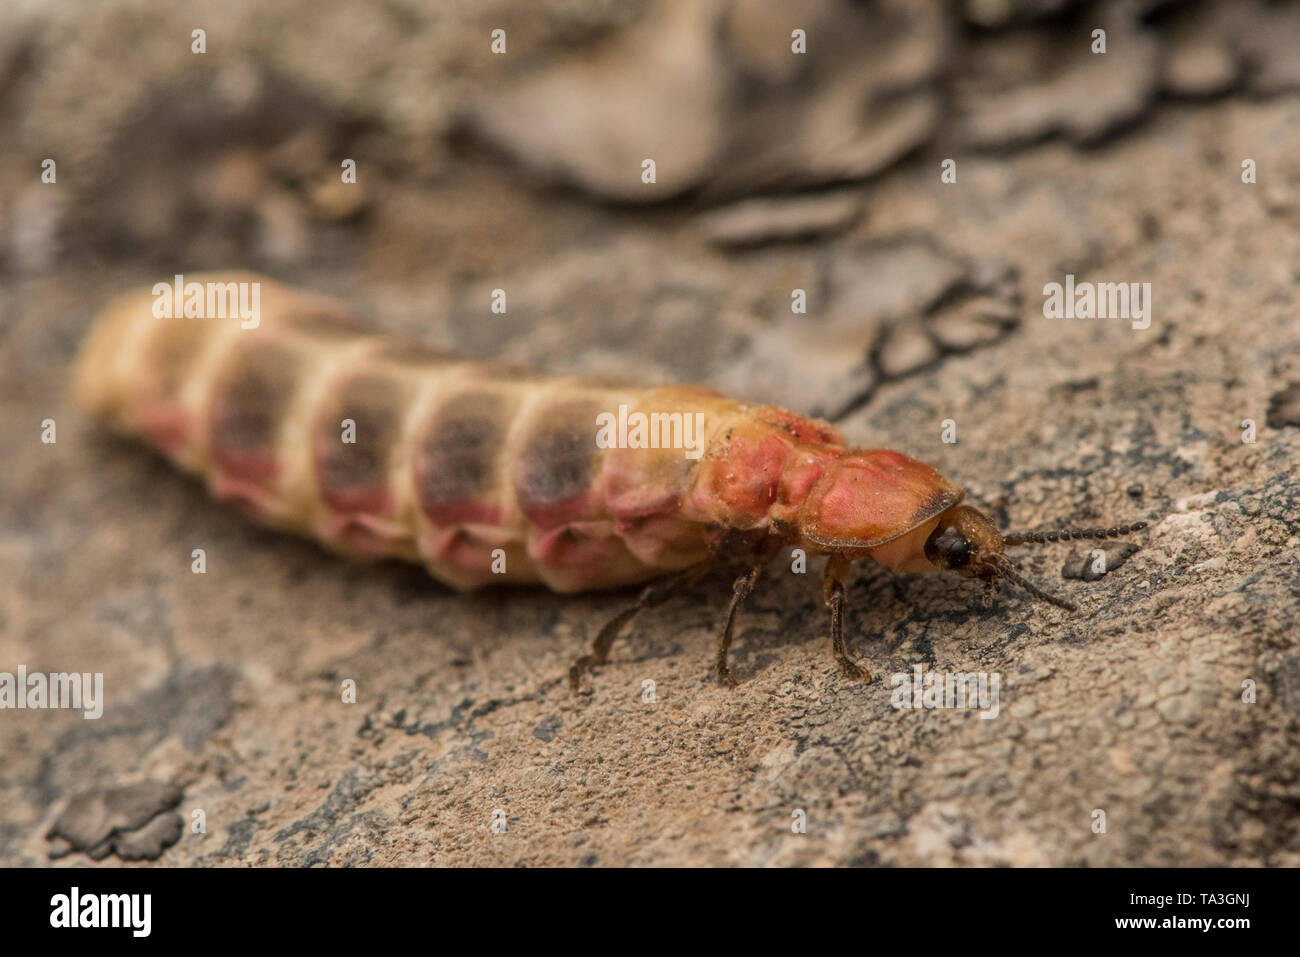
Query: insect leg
{"points": [[740, 590], [833, 589], [653, 594]]}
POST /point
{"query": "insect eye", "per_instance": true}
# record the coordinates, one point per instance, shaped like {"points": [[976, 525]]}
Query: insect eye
{"points": [[949, 546]]}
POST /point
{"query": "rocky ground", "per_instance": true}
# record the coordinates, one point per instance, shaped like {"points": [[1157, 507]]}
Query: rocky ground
{"points": [[1170, 701]]}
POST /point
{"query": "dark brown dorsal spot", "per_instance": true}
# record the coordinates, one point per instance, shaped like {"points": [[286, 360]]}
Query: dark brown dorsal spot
{"points": [[252, 395], [356, 454], [559, 458], [457, 452]]}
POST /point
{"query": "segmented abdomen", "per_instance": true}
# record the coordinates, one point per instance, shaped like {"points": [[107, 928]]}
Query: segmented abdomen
{"points": [[484, 472]]}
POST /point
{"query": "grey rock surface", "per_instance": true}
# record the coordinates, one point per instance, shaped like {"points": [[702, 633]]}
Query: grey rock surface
{"points": [[1170, 701]]}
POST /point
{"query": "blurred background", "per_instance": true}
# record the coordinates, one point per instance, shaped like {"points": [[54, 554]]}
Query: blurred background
{"points": [[522, 169]]}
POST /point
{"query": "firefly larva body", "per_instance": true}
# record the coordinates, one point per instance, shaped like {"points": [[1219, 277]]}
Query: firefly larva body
{"points": [[486, 472]]}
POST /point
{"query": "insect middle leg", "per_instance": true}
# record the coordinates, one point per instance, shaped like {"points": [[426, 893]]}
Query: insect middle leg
{"points": [[837, 569], [740, 590]]}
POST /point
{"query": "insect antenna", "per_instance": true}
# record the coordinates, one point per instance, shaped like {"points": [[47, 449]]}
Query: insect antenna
{"points": [[1009, 570], [1071, 534]]}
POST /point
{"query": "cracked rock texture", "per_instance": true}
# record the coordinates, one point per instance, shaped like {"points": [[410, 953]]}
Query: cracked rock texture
{"points": [[1170, 701]]}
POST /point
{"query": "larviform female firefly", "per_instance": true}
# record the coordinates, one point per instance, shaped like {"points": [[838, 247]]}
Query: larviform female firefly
{"points": [[485, 472]]}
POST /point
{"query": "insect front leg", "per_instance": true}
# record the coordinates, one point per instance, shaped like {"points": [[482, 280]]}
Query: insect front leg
{"points": [[837, 569]]}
